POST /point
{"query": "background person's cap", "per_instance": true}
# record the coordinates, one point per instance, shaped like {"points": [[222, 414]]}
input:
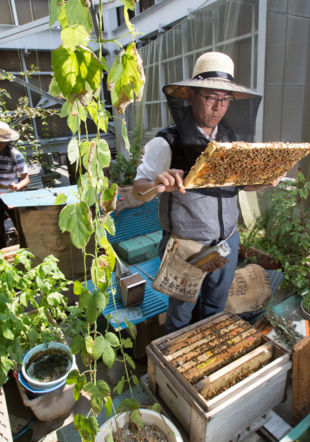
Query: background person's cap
{"points": [[6, 133]]}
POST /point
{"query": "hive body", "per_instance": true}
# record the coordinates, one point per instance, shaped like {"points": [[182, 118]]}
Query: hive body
{"points": [[218, 370]]}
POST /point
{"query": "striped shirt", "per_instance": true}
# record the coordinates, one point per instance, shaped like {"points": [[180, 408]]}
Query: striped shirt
{"points": [[11, 166]]}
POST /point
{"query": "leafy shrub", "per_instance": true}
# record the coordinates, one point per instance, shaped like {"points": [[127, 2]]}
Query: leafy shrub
{"points": [[284, 232]]}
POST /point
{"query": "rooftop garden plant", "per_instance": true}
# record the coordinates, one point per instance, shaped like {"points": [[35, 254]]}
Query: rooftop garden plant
{"points": [[21, 117], [78, 74], [283, 231], [32, 307], [123, 170]]}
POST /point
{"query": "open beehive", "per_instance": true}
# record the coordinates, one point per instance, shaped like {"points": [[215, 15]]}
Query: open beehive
{"points": [[241, 163], [217, 376]]}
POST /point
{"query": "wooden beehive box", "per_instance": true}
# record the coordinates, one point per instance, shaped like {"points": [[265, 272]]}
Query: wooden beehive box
{"points": [[217, 376]]}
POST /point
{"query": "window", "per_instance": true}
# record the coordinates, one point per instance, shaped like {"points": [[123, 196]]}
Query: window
{"points": [[145, 4], [120, 15]]}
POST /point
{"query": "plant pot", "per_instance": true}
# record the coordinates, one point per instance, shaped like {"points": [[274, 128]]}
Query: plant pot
{"points": [[305, 313], [37, 363], [149, 417], [49, 406]]}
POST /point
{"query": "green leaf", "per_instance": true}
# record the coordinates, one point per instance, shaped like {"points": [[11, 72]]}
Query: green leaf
{"points": [[108, 355], [75, 218], [62, 16], [90, 68], [129, 404], [5, 366], [66, 69], [135, 416], [32, 335], [120, 386], [87, 426], [112, 339], [60, 199], [73, 150], [135, 380], [156, 407], [89, 345], [78, 13], [98, 347], [78, 287], [54, 11], [104, 64], [73, 377], [7, 332], [108, 406], [66, 109], [74, 36], [95, 303], [127, 343], [125, 135], [129, 360], [130, 328], [73, 123], [54, 89], [97, 159], [116, 72], [103, 388], [97, 392], [77, 344]]}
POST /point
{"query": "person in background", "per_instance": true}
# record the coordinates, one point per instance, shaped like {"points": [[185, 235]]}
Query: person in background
{"points": [[13, 174], [209, 106]]}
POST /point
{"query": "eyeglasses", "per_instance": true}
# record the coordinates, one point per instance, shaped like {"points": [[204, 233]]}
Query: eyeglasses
{"points": [[211, 100]]}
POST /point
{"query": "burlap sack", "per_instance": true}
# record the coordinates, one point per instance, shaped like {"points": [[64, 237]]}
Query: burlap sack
{"points": [[43, 237], [250, 289], [176, 277]]}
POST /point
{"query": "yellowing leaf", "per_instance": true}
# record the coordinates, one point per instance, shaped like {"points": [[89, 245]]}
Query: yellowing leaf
{"points": [[126, 78], [74, 36]]}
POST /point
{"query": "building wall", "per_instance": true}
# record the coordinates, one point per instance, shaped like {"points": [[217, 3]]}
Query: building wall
{"points": [[287, 71]]}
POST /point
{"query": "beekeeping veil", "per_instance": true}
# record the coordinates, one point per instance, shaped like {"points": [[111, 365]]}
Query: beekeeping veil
{"points": [[215, 70]]}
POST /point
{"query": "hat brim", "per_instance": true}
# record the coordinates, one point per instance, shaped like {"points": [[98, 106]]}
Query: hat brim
{"points": [[14, 136], [180, 88]]}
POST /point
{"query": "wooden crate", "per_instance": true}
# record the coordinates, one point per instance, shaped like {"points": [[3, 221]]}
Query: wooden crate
{"points": [[231, 411]]}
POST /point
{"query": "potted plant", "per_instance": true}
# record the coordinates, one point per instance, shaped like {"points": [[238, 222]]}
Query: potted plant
{"points": [[32, 303], [143, 424], [122, 171], [35, 316], [77, 79], [283, 232], [305, 306]]}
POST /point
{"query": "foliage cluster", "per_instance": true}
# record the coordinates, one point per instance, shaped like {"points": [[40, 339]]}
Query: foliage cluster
{"points": [[21, 117], [283, 231], [122, 171], [306, 302], [32, 303]]}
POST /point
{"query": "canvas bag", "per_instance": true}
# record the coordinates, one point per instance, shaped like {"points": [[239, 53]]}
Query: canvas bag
{"points": [[250, 289], [176, 277]]}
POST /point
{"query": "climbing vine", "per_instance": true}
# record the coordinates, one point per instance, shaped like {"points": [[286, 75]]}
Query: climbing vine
{"points": [[78, 75]]}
